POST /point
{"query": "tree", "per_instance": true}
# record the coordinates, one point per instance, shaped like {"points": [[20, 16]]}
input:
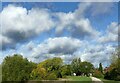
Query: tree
{"points": [[100, 68], [86, 68], [38, 74], [114, 69], [51, 67], [98, 74], [75, 65], [66, 70], [52, 64], [0, 72], [16, 68]]}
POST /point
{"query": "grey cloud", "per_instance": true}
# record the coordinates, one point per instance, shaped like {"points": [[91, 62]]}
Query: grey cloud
{"points": [[58, 45], [65, 47]]}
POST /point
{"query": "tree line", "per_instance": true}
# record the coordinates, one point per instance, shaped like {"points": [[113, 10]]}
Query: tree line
{"points": [[17, 68]]}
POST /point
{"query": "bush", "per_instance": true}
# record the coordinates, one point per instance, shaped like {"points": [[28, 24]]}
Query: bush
{"points": [[66, 70], [38, 74], [112, 75], [117, 78], [98, 74], [51, 76]]}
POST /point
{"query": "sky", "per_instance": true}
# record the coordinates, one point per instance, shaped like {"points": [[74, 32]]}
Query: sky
{"points": [[42, 30]]}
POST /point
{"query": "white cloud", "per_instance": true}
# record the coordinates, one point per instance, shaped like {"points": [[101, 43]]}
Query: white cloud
{"points": [[96, 54], [64, 21], [21, 24], [111, 34], [18, 23], [75, 22], [67, 48], [58, 45], [63, 47]]}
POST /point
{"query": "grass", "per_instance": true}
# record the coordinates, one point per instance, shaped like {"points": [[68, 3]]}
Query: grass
{"points": [[83, 79]]}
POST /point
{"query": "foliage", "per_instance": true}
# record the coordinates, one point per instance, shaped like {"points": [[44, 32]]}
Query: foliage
{"points": [[98, 74], [0, 72], [86, 68], [100, 68], [80, 68], [114, 70], [51, 76], [75, 65], [48, 70], [66, 70], [52, 64], [16, 68], [38, 74]]}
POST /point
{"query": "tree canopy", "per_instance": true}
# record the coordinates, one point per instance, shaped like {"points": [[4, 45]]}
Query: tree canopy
{"points": [[16, 68], [75, 65], [47, 69], [100, 68]]}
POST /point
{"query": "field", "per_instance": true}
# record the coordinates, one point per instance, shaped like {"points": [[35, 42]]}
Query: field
{"points": [[79, 78]]}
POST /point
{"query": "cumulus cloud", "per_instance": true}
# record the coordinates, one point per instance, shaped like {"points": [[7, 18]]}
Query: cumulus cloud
{"points": [[63, 47], [75, 22], [60, 45], [97, 53], [19, 24], [111, 34], [67, 48]]}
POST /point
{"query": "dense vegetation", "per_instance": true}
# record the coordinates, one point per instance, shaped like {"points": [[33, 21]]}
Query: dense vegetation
{"points": [[113, 71], [17, 68]]}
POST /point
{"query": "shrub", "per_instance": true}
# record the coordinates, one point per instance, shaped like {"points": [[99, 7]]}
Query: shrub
{"points": [[112, 75], [107, 76], [98, 74], [38, 74], [51, 76], [117, 78]]}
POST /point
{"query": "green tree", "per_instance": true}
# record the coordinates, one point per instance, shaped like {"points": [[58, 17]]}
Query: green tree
{"points": [[0, 72], [51, 68], [16, 68], [75, 65], [86, 68], [100, 68], [66, 70], [98, 74], [52, 64], [114, 68], [39, 73]]}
